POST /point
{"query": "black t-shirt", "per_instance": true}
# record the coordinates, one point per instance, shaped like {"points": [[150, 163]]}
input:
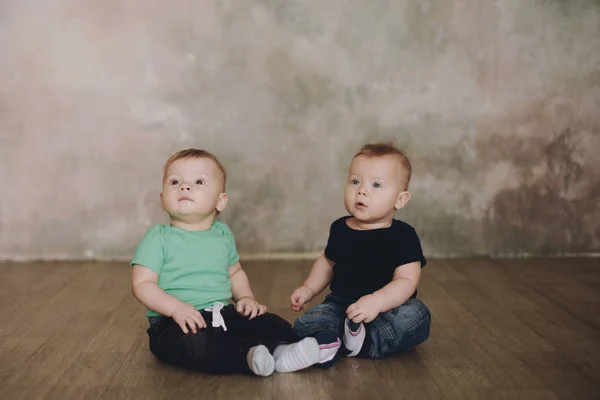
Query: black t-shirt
{"points": [[365, 261]]}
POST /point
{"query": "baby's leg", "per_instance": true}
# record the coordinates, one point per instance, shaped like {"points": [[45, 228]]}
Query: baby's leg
{"points": [[325, 322], [398, 330], [270, 330], [209, 350], [290, 352], [328, 315]]}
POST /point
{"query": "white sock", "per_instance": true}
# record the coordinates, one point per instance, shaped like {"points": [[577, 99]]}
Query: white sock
{"points": [[296, 356], [353, 337], [260, 361]]}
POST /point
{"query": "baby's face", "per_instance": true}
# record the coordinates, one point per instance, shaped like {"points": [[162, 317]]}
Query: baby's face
{"points": [[192, 189], [373, 188]]}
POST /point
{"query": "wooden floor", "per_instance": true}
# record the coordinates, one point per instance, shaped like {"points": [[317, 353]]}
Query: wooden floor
{"points": [[510, 329]]}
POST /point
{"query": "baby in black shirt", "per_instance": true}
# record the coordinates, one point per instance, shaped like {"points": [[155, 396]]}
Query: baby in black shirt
{"points": [[372, 263]]}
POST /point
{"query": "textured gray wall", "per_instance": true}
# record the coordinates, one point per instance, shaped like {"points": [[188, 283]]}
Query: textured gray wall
{"points": [[498, 103]]}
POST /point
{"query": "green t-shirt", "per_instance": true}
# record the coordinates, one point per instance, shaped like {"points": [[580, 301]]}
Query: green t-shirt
{"points": [[191, 265]]}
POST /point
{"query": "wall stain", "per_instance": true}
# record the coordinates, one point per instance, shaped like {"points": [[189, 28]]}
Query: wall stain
{"points": [[555, 212]]}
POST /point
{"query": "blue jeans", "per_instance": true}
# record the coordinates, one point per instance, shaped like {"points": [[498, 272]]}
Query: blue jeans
{"points": [[395, 331]]}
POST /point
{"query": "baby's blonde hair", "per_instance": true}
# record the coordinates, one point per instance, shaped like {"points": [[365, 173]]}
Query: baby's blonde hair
{"points": [[372, 150], [195, 153]]}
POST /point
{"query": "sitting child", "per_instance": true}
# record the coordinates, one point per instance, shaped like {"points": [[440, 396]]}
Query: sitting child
{"points": [[185, 273], [373, 263]]}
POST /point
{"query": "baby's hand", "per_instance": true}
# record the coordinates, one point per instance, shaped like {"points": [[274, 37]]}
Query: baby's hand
{"points": [[186, 313], [249, 306], [366, 309], [299, 297]]}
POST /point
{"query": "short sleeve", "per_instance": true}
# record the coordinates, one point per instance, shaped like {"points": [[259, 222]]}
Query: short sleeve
{"points": [[150, 252], [411, 248], [234, 257], [332, 250]]}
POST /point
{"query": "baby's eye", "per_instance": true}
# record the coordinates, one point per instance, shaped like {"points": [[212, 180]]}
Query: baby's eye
{"points": [[199, 182], [355, 181], [376, 185], [174, 182]]}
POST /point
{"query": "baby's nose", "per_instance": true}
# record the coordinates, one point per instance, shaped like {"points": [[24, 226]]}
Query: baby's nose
{"points": [[184, 186]]}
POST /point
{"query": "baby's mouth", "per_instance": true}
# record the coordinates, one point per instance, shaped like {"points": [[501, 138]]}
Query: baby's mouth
{"points": [[360, 205], [185, 198]]}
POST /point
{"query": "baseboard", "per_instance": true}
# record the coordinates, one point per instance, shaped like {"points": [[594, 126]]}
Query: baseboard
{"points": [[298, 256]]}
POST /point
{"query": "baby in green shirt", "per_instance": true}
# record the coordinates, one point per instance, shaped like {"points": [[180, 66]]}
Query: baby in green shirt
{"points": [[186, 272]]}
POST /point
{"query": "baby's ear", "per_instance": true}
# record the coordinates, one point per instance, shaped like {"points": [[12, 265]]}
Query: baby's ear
{"points": [[402, 200], [162, 204], [222, 202]]}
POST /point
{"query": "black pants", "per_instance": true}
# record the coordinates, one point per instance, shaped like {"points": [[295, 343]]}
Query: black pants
{"points": [[214, 350]]}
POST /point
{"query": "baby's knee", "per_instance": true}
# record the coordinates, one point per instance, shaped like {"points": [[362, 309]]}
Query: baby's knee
{"points": [[307, 325], [172, 346], [420, 308], [411, 322], [411, 313], [301, 327], [316, 320]]}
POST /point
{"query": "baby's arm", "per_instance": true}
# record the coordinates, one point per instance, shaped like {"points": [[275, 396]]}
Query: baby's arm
{"points": [[394, 294], [318, 279], [240, 285], [246, 304], [144, 284], [403, 285]]}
